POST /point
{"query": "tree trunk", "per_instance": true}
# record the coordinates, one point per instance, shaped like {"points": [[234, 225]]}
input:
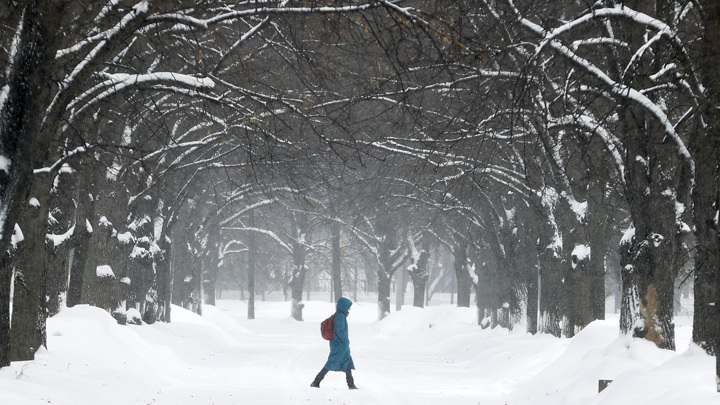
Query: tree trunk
{"points": [[252, 260], [336, 262], [400, 284], [186, 271], [531, 284], [209, 278], [462, 275], [164, 279], [56, 265], [705, 147], [28, 333], [657, 179], [486, 289], [81, 239], [388, 254], [5, 282], [630, 302], [706, 316], [653, 265], [298, 281], [22, 142], [550, 319], [384, 281], [597, 216], [419, 287], [419, 276], [656, 251], [527, 260], [100, 290], [579, 287], [97, 290], [198, 272]]}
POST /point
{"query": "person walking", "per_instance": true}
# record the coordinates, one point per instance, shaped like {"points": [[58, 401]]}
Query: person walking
{"points": [[339, 358]]}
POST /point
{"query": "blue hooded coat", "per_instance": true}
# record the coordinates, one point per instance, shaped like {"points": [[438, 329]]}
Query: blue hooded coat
{"points": [[339, 358]]}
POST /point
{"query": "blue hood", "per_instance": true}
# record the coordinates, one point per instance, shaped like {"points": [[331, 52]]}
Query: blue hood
{"points": [[343, 305]]}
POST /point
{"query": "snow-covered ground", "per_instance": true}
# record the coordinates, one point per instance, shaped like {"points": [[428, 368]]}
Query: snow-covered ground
{"points": [[436, 355]]}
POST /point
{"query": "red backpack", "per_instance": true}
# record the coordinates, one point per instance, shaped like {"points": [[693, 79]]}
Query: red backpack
{"points": [[327, 328]]}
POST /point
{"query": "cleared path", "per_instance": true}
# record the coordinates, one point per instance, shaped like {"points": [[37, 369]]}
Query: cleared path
{"points": [[273, 359]]}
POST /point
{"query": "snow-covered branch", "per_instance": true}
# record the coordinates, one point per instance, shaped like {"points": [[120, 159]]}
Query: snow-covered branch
{"points": [[117, 82], [254, 11], [266, 232], [617, 89], [58, 164]]}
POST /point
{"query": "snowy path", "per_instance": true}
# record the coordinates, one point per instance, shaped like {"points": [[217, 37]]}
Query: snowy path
{"points": [[437, 355], [274, 360]]}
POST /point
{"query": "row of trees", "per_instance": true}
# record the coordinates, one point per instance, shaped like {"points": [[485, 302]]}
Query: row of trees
{"points": [[146, 144]]}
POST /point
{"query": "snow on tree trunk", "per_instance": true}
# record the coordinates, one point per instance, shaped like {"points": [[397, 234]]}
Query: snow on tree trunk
{"points": [[579, 287], [630, 317]]}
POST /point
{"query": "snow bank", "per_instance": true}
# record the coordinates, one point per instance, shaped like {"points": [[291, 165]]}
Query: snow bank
{"points": [[437, 319]]}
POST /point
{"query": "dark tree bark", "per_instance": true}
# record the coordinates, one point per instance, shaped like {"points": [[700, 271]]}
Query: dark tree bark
{"points": [[531, 283], [28, 333], [165, 278], [656, 251], [97, 290], [578, 287], [20, 136], [57, 269], [551, 307], [597, 218], [630, 301], [100, 290], [486, 270], [705, 148], [656, 180], [80, 243]]}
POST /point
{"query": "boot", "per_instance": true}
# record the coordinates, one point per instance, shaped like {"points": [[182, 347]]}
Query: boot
{"points": [[351, 383], [316, 381]]}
